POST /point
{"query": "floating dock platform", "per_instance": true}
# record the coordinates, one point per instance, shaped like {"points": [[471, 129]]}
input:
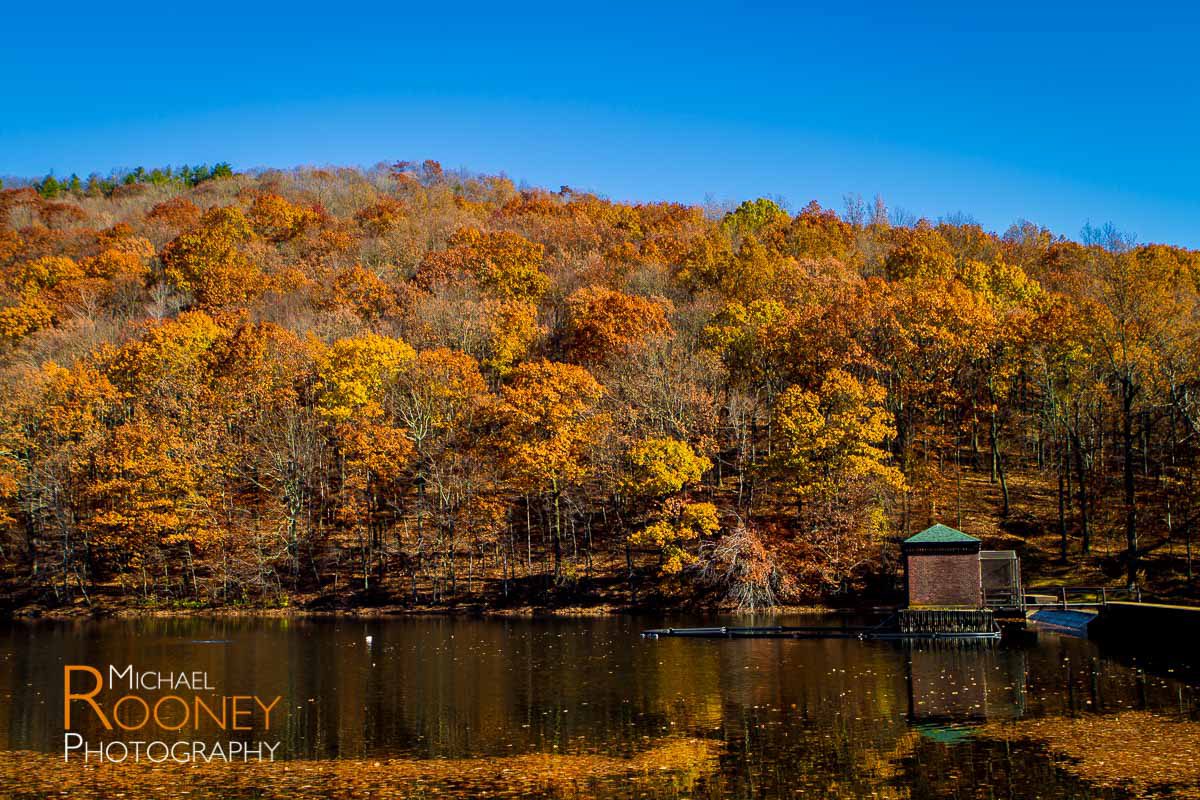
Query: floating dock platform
{"points": [[896, 627]]}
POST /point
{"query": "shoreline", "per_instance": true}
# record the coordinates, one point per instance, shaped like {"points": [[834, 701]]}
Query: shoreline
{"points": [[396, 612]]}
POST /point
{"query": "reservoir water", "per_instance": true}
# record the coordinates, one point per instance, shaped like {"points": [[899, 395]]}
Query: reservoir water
{"points": [[436, 707]]}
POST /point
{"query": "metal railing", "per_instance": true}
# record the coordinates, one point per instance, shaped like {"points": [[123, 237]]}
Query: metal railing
{"points": [[1003, 598], [1083, 596]]}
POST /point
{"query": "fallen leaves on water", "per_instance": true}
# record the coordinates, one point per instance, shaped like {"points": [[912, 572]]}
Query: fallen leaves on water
{"points": [[1133, 750], [675, 762]]}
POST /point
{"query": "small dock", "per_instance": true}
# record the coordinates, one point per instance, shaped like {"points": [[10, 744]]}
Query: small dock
{"points": [[889, 629]]}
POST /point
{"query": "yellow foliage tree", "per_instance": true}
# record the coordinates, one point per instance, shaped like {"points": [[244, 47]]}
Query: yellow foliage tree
{"points": [[512, 328], [123, 256], [831, 437], [679, 524], [35, 276], [549, 421], [18, 321], [167, 367], [211, 261], [918, 252], [828, 450], [352, 372], [662, 466]]}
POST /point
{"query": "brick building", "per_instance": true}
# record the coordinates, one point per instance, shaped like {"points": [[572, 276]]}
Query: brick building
{"points": [[942, 569]]}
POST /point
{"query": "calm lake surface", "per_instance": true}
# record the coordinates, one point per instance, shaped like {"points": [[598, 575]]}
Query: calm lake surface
{"points": [[763, 718]]}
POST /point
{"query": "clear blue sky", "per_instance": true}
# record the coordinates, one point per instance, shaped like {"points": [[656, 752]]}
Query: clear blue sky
{"points": [[1061, 113]]}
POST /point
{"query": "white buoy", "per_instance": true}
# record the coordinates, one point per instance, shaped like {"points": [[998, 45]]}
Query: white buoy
{"points": [[369, 639]]}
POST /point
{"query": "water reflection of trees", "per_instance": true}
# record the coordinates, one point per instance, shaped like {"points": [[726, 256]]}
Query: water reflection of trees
{"points": [[830, 716]]}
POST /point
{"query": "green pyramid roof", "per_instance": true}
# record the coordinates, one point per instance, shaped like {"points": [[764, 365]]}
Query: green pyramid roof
{"points": [[940, 534]]}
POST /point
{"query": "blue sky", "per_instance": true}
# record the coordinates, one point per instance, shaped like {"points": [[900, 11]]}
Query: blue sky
{"points": [[1060, 113]]}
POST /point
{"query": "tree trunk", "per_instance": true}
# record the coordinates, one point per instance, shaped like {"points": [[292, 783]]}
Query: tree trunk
{"points": [[995, 450], [1062, 516], [1085, 522], [998, 463], [1131, 538], [557, 540], [1188, 539]]}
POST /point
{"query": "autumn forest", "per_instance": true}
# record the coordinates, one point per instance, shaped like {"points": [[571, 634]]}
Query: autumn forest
{"points": [[423, 388]]}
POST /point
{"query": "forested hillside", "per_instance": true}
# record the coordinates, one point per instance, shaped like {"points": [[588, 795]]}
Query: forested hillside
{"points": [[335, 387]]}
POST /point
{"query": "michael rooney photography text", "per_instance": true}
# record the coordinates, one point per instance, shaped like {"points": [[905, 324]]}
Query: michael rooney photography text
{"points": [[133, 704]]}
